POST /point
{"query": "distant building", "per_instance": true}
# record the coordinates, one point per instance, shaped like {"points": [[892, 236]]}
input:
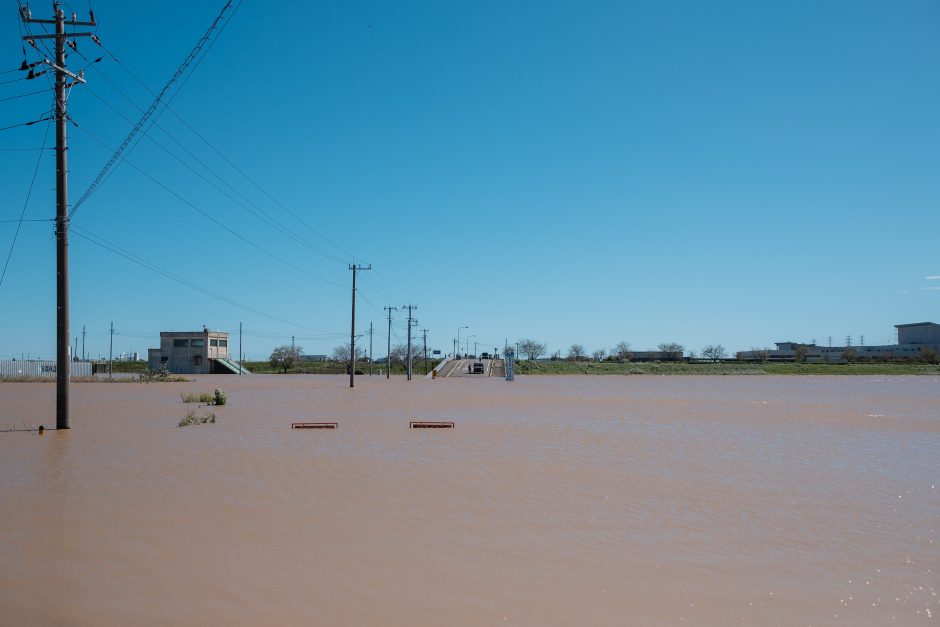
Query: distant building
{"points": [[913, 339], [314, 358], [193, 352]]}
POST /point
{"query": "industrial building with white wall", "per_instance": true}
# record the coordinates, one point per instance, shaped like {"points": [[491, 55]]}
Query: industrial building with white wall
{"points": [[915, 340]]}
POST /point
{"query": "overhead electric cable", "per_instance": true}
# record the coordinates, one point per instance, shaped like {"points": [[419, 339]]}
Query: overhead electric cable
{"points": [[153, 107], [103, 243], [4, 128], [245, 203], [229, 161], [32, 93], [29, 194], [212, 219]]}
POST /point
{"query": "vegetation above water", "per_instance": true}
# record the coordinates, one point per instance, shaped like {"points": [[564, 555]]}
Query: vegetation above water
{"points": [[193, 418], [215, 398], [682, 368]]}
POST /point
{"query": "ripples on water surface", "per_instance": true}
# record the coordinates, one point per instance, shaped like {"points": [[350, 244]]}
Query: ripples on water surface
{"points": [[554, 501]]}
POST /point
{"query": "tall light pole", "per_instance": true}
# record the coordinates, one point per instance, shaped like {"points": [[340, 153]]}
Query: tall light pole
{"points": [[458, 337], [467, 351]]}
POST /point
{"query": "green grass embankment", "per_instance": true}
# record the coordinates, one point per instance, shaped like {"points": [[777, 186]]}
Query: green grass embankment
{"points": [[332, 367], [682, 368]]}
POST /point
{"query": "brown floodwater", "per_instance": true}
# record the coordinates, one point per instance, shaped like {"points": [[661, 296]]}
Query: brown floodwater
{"points": [[636, 500]]}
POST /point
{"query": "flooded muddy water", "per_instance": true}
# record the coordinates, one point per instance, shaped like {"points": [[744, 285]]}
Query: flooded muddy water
{"points": [[554, 501]]}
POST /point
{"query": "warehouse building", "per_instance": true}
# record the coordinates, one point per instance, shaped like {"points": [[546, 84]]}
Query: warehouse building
{"points": [[915, 340]]}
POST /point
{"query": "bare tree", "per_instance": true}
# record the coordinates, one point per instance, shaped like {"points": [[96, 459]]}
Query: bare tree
{"points": [[928, 355], [850, 355], [285, 357], [400, 353], [671, 350], [761, 354], [714, 352], [622, 351], [599, 354], [576, 352], [531, 348], [800, 355], [341, 353]]}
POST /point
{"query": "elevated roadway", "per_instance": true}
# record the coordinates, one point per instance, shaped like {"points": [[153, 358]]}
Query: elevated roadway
{"points": [[464, 367]]}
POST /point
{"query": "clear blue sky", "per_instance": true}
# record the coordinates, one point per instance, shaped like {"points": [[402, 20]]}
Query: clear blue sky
{"points": [[725, 172]]}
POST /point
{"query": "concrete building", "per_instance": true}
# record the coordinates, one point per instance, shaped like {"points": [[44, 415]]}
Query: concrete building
{"points": [[913, 340], [193, 352]]}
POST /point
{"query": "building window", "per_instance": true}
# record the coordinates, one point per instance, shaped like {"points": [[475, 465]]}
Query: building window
{"points": [[163, 360], [181, 342], [213, 342], [223, 343], [198, 343], [197, 360]]}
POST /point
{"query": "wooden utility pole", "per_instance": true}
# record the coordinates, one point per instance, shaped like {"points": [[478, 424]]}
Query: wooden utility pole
{"points": [[388, 362], [371, 330], [63, 366], [352, 327], [410, 308], [425, 332]]}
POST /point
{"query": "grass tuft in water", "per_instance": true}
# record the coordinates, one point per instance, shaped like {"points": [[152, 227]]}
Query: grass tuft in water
{"points": [[197, 398], [193, 418]]}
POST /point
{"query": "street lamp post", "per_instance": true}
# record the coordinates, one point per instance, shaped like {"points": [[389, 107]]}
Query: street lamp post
{"points": [[467, 352], [458, 337]]}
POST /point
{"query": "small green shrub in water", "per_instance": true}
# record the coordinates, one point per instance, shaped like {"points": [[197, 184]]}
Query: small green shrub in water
{"points": [[216, 398], [192, 418]]}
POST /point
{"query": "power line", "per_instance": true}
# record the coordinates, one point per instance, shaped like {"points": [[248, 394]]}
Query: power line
{"points": [[117, 250], [245, 203], [29, 194], [3, 128], [153, 106], [209, 217], [32, 93], [226, 159]]}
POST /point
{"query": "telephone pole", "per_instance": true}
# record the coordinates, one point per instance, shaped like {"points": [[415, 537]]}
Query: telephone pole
{"points": [[83, 342], [63, 367], [371, 330], [111, 352], [352, 327], [425, 332], [410, 324], [388, 370]]}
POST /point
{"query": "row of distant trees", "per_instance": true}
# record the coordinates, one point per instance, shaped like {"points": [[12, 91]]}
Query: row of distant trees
{"points": [[286, 357], [621, 351]]}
